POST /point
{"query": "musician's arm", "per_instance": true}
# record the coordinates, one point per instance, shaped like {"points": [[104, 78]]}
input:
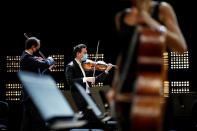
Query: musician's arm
{"points": [[38, 63], [174, 37]]}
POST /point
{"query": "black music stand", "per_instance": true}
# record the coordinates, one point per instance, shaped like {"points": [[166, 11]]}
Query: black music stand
{"points": [[98, 113], [50, 102]]}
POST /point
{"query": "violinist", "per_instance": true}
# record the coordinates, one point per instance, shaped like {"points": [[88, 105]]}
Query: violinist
{"points": [[31, 121], [156, 15], [75, 72]]}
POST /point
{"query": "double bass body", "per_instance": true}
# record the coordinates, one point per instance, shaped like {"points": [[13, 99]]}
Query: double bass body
{"points": [[145, 105], [148, 101]]}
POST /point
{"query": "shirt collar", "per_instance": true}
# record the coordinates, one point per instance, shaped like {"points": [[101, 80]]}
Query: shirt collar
{"points": [[78, 62], [28, 52]]}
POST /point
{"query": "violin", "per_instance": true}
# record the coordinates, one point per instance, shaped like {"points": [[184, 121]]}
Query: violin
{"points": [[89, 65]]}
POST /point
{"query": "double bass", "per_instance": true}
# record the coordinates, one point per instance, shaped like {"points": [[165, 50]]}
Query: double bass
{"points": [[144, 108], [148, 104]]}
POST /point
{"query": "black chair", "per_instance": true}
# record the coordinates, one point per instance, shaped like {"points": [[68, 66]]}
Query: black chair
{"points": [[4, 109]]}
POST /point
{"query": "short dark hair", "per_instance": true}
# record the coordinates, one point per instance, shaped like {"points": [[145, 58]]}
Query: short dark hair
{"points": [[78, 48], [32, 41]]}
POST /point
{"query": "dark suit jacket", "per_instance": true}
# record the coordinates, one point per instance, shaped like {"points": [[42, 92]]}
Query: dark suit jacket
{"points": [[31, 120], [32, 64], [74, 74]]}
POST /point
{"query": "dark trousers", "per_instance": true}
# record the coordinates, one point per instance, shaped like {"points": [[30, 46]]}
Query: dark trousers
{"points": [[31, 119], [93, 121]]}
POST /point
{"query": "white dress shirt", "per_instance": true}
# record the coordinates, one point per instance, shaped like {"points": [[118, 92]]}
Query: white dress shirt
{"points": [[84, 75]]}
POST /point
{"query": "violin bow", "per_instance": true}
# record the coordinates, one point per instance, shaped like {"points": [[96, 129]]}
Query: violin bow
{"points": [[26, 36], [96, 59]]}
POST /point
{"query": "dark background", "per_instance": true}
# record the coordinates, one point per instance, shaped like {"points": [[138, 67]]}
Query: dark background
{"points": [[62, 24]]}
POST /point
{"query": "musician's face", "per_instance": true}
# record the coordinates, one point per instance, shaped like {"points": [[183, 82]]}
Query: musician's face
{"points": [[36, 49], [82, 53]]}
